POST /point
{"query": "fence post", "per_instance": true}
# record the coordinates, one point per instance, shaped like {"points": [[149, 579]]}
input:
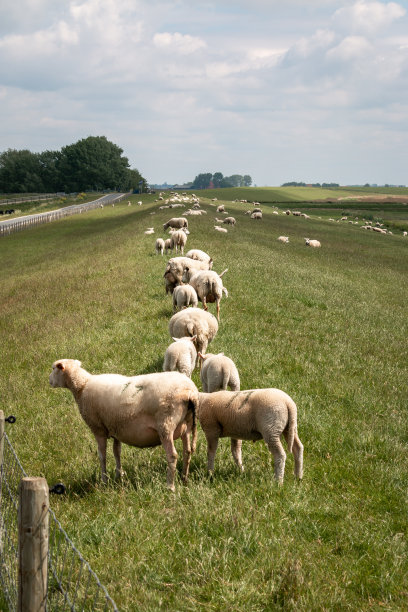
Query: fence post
{"points": [[1, 440], [32, 545]]}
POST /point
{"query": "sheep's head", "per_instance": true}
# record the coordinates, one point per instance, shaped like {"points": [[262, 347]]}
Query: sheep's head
{"points": [[59, 368], [186, 275]]}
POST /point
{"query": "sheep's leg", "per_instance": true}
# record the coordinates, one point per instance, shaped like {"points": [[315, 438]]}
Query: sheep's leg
{"points": [[297, 450], [171, 455], [205, 303], [101, 442], [236, 450], [218, 310], [186, 455], [212, 444], [117, 447], [279, 457]]}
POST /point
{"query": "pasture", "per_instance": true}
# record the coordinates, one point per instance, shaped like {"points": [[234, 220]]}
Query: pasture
{"points": [[328, 326]]}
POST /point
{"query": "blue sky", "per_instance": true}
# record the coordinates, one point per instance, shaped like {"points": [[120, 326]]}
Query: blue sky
{"points": [[281, 90]]}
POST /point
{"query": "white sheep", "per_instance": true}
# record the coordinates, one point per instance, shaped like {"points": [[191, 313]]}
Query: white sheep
{"points": [[208, 285], [176, 223], [200, 256], [312, 243], [142, 411], [220, 229], [181, 356], [218, 372], [175, 268], [227, 220], [284, 239], [251, 415], [221, 208], [256, 215], [168, 245], [404, 233], [194, 322], [184, 296], [178, 240], [150, 230], [159, 246]]}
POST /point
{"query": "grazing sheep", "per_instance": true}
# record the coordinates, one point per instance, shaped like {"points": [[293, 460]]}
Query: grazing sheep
{"points": [[178, 240], [176, 223], [404, 233], [200, 256], [251, 415], [149, 230], [208, 285], [218, 372], [312, 243], [160, 246], [175, 268], [143, 411], [284, 239], [181, 356], [256, 215], [168, 245], [184, 296], [221, 208], [227, 220], [220, 229], [194, 322]]}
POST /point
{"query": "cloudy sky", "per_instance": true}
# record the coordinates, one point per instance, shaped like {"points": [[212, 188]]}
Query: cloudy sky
{"points": [[313, 90]]}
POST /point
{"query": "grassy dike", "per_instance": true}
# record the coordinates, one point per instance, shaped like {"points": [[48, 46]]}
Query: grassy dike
{"points": [[328, 326]]}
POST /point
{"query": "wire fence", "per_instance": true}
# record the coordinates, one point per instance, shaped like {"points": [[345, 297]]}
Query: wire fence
{"points": [[16, 225], [72, 584]]}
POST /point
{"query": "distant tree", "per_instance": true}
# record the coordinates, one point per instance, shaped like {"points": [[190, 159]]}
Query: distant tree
{"points": [[202, 181], [20, 172], [133, 180], [217, 179], [247, 180], [294, 184]]}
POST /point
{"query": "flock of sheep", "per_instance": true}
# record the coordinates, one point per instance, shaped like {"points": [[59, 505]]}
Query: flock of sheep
{"points": [[153, 409]]}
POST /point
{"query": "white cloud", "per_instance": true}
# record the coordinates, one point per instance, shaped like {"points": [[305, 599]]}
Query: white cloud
{"points": [[180, 43], [369, 17]]}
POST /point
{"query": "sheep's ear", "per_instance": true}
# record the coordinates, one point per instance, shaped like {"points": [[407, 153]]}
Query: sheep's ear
{"points": [[175, 339], [60, 366], [194, 338]]}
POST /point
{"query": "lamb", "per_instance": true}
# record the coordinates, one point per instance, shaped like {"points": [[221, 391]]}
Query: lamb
{"points": [[227, 220], [218, 372], [184, 296], [208, 285], [200, 256], [284, 239], [178, 240], [142, 411], [175, 268], [251, 415], [220, 229], [194, 322], [176, 223], [168, 245], [159, 246], [313, 243], [181, 356]]}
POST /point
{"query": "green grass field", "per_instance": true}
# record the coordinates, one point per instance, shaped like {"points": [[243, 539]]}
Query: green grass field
{"points": [[328, 326]]}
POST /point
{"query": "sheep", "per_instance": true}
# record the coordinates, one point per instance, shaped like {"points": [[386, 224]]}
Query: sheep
{"points": [[256, 215], [227, 220], [175, 268], [159, 246], [221, 208], [149, 230], [284, 239], [200, 256], [142, 411], [313, 243], [218, 372], [176, 223], [181, 356], [220, 229], [251, 415], [404, 233], [208, 285], [184, 296], [168, 245], [178, 240], [194, 322]]}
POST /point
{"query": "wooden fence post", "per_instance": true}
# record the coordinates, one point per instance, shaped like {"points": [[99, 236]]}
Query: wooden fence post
{"points": [[32, 545]]}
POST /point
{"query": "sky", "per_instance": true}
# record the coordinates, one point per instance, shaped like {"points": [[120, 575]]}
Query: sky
{"points": [[282, 90]]}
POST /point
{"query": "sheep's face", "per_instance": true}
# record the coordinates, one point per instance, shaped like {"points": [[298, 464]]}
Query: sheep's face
{"points": [[186, 275], [57, 376]]}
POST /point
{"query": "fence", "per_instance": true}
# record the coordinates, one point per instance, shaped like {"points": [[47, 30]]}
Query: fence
{"points": [[55, 569], [21, 223]]}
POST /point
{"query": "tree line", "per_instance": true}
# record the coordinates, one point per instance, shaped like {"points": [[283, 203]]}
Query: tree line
{"points": [[208, 180], [91, 164], [301, 184]]}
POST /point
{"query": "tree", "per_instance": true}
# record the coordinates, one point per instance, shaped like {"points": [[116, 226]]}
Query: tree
{"points": [[247, 180], [19, 172], [217, 179], [202, 181]]}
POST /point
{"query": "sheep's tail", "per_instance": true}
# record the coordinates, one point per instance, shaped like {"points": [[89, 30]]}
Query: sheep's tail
{"points": [[292, 423], [226, 270], [193, 406], [224, 289]]}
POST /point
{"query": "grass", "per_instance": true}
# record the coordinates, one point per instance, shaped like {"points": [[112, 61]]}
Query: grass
{"points": [[328, 326], [39, 206]]}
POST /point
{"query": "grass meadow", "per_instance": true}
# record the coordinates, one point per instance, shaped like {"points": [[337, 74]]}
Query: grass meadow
{"points": [[328, 326]]}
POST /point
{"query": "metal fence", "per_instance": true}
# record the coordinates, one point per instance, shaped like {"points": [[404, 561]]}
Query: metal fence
{"points": [[21, 223], [72, 585]]}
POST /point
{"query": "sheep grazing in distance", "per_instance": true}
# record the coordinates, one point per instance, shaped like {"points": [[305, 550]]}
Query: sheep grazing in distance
{"points": [[168, 245], [256, 215], [178, 240], [181, 356], [251, 415], [176, 223], [284, 239], [183, 297], [404, 233], [175, 268], [312, 243], [159, 246], [220, 229], [200, 256], [142, 411], [218, 372], [149, 230], [221, 208], [227, 220], [194, 322], [208, 286]]}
